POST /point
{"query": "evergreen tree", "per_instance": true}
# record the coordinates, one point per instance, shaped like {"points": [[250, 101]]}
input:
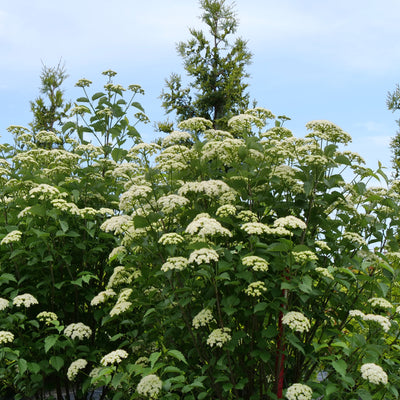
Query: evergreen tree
{"points": [[393, 103], [50, 110], [217, 69]]}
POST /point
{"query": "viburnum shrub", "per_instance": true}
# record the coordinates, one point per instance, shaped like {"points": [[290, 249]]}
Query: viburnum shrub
{"points": [[56, 191], [248, 268], [240, 264]]}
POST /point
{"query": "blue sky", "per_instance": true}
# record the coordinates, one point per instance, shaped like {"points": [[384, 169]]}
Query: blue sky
{"points": [[333, 60]]}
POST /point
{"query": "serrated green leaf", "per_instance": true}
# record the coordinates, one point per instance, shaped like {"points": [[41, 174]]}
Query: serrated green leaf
{"points": [[178, 355], [154, 357]]}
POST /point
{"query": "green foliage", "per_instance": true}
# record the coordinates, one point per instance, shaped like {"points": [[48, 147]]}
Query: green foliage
{"points": [[393, 104], [216, 67], [214, 264], [57, 189], [50, 112], [248, 267]]}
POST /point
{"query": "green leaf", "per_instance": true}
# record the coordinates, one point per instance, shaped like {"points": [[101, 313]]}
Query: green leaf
{"points": [[34, 368], [260, 307], [68, 125], [178, 355], [97, 95], [340, 367], [306, 285], [22, 366], [364, 394], [49, 342], [56, 362], [137, 105], [64, 225], [83, 100], [153, 358]]}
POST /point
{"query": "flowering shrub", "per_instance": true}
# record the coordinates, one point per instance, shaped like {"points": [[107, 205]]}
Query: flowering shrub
{"points": [[57, 189], [209, 265], [254, 256]]}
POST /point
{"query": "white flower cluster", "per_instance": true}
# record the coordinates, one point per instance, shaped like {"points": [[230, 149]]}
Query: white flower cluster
{"points": [[25, 300], [142, 361], [115, 357], [91, 150], [195, 124], [122, 303], [116, 224], [261, 112], [43, 190], [176, 137], [75, 367], [324, 272], [175, 157], [11, 237], [356, 313], [203, 256], [63, 205], [171, 202], [285, 173], [243, 122], [226, 210], [78, 331], [216, 134], [298, 391], [47, 137], [256, 289], [120, 276], [211, 188], [136, 194], [290, 222], [322, 245], [4, 303], [296, 321], [384, 322], [327, 130], [218, 337], [374, 373], [227, 150], [23, 213], [204, 225], [171, 238], [175, 263], [354, 237], [47, 317], [150, 386], [380, 302], [247, 216], [203, 318], [117, 252], [6, 337], [102, 297], [301, 257], [258, 228], [143, 148], [255, 228], [257, 263]]}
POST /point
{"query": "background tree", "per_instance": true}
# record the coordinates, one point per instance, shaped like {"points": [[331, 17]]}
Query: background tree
{"points": [[393, 103], [216, 66], [50, 111]]}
